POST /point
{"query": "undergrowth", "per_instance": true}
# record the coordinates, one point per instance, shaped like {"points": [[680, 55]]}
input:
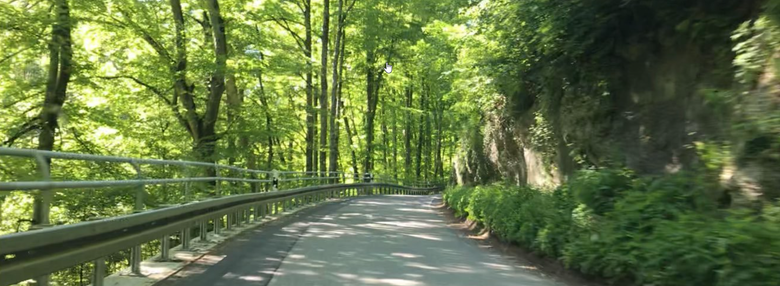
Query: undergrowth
{"points": [[633, 231]]}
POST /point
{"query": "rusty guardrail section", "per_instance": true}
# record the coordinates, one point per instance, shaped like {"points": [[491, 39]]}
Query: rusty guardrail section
{"points": [[46, 249]]}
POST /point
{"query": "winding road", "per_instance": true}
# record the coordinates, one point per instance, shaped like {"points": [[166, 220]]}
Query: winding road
{"points": [[379, 240]]}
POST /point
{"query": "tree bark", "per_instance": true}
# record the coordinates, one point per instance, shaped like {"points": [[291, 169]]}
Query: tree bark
{"points": [[438, 165], [206, 144], [181, 88], [372, 99], [395, 141], [234, 101], [351, 148], [427, 140], [408, 133], [268, 123], [383, 126], [334, 106], [421, 135], [324, 88], [310, 124], [60, 69]]}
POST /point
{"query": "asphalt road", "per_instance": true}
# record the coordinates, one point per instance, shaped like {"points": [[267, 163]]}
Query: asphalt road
{"points": [[381, 240]]}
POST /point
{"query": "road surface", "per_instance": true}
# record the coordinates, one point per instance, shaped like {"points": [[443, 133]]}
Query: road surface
{"points": [[380, 240]]}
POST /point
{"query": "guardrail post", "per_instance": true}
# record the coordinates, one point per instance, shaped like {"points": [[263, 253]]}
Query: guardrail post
{"points": [[218, 224], [185, 238], [217, 181], [259, 212], [43, 200], [135, 260], [229, 222], [139, 193], [204, 230], [99, 272], [135, 252], [165, 245], [275, 180], [184, 173], [42, 206]]}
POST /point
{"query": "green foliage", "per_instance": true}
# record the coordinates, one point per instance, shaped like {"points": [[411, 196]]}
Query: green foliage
{"points": [[600, 189], [650, 231]]}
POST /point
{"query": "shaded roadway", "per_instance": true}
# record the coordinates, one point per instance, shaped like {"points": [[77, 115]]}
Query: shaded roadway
{"points": [[380, 240]]}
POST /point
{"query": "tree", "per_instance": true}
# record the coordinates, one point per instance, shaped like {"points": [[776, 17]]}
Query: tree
{"points": [[324, 88], [60, 70]]}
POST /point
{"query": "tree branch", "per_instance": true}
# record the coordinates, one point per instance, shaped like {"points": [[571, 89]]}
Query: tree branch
{"points": [[155, 90], [286, 26], [159, 48], [160, 94], [27, 127], [8, 57]]}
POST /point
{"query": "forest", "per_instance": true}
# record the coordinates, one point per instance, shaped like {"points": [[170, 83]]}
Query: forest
{"points": [[637, 142]]}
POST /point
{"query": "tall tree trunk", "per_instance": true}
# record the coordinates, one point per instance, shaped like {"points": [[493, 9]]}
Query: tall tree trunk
{"points": [[60, 69], [408, 133], [427, 141], [206, 144], [341, 86], [181, 88], [372, 99], [268, 123], [310, 124], [334, 106], [351, 148], [251, 162], [234, 101], [383, 125], [315, 144], [324, 88], [395, 141], [438, 166], [421, 137]]}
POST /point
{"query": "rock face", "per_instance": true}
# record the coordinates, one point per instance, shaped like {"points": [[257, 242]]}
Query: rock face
{"points": [[505, 153]]}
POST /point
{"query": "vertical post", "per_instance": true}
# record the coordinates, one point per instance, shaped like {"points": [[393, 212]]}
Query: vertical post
{"points": [[184, 174], [99, 272], [165, 246], [204, 230], [218, 224], [229, 224], [42, 207], [185, 238], [135, 252], [216, 174], [42, 202], [275, 181]]}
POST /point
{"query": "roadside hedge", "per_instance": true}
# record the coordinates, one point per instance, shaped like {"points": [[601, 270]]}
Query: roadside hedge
{"points": [[633, 231]]}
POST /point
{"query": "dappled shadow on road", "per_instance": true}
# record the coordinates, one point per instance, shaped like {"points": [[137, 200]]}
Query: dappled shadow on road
{"points": [[381, 240], [392, 240]]}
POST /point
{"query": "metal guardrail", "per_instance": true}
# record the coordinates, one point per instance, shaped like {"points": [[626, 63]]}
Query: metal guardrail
{"points": [[37, 253]]}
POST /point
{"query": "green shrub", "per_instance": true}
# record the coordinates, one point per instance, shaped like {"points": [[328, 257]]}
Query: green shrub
{"points": [[600, 189], [634, 231]]}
